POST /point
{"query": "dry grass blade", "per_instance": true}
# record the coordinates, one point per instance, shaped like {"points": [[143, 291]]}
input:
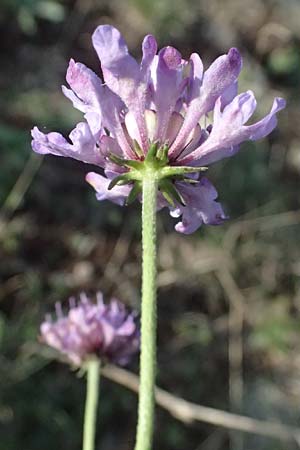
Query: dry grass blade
{"points": [[20, 188]]}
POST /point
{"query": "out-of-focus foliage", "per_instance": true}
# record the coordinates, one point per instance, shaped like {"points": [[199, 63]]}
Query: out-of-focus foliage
{"points": [[60, 241], [27, 13]]}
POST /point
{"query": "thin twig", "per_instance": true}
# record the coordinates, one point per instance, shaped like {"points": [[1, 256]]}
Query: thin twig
{"points": [[189, 412]]}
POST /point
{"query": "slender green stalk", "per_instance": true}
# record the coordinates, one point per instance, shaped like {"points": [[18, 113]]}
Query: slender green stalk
{"points": [[148, 319], [91, 403]]}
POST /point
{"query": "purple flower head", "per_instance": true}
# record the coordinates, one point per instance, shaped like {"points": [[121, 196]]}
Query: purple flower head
{"points": [[156, 112], [107, 331]]}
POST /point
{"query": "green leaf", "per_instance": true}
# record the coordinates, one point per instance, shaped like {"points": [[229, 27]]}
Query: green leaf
{"points": [[120, 181], [170, 171], [151, 155], [129, 163], [162, 154], [135, 191], [170, 193]]}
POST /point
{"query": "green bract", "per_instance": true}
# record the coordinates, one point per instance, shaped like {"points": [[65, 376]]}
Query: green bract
{"points": [[155, 165]]}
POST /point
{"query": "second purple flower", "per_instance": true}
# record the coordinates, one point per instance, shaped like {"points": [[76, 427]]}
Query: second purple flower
{"points": [[106, 331]]}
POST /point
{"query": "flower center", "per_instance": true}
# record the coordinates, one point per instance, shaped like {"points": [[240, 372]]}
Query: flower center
{"points": [[151, 120]]}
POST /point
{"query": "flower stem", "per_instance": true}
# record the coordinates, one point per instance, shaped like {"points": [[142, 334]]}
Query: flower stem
{"points": [[91, 403], [148, 319]]}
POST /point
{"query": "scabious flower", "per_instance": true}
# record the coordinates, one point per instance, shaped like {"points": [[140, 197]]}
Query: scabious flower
{"points": [[158, 108], [107, 331]]}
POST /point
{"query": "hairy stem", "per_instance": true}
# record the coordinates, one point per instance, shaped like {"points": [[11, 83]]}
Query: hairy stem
{"points": [[148, 319], [91, 403]]}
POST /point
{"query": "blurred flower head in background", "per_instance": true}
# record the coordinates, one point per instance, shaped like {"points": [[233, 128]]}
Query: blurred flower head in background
{"points": [[165, 101], [104, 330]]}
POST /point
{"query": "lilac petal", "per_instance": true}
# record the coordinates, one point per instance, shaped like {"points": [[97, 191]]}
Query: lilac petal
{"points": [[175, 123], [266, 125], [111, 112], [115, 313], [193, 142], [117, 194], [48, 143], [84, 93], [116, 62], [195, 78], [222, 74], [94, 121], [122, 73], [149, 48], [193, 139], [229, 94], [234, 115], [166, 74], [85, 84], [229, 130], [216, 155], [109, 333], [132, 127], [108, 146], [161, 202], [78, 318], [49, 336], [201, 207], [76, 101], [127, 328], [83, 148], [97, 101]]}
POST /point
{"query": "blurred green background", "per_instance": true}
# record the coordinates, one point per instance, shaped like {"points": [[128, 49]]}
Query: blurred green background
{"points": [[229, 297]]}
